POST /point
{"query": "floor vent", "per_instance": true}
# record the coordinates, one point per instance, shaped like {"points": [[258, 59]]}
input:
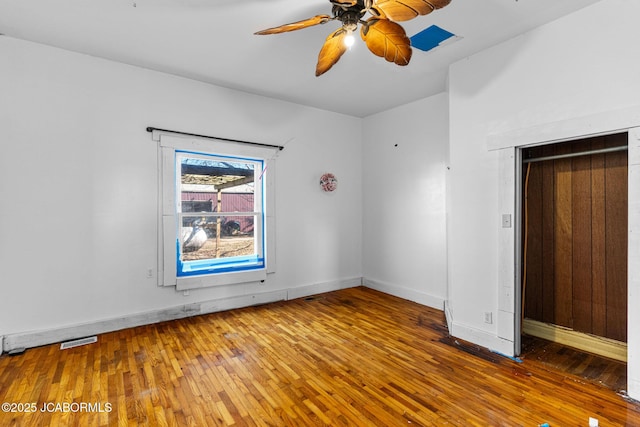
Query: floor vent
{"points": [[78, 342]]}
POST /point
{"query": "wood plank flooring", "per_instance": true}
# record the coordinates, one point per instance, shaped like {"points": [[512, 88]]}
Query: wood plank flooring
{"points": [[354, 357], [587, 366]]}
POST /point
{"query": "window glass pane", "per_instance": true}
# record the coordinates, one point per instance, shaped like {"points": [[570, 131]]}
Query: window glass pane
{"points": [[220, 214], [201, 239], [221, 185]]}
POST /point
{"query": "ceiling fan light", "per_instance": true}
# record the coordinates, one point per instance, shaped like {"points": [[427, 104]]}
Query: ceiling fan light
{"points": [[349, 39]]}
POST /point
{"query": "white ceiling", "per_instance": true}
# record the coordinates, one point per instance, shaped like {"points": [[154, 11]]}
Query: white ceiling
{"points": [[213, 41]]}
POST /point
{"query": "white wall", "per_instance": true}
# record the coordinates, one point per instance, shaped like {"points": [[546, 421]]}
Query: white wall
{"points": [[575, 70], [78, 184], [78, 177], [405, 152]]}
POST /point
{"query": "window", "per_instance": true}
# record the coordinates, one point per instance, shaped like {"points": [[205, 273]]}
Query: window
{"points": [[225, 233], [216, 212]]}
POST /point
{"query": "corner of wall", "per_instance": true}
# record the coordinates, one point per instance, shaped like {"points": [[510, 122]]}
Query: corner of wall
{"points": [[405, 293], [318, 288], [476, 336], [447, 314]]}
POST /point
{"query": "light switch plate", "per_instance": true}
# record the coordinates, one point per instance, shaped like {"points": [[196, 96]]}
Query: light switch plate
{"points": [[506, 220]]}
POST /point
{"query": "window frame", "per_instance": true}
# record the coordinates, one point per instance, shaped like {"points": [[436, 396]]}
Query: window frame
{"points": [[168, 216]]}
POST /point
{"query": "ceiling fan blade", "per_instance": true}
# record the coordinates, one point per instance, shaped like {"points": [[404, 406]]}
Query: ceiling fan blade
{"points": [[331, 51], [346, 3], [387, 39], [404, 10], [439, 4], [309, 22]]}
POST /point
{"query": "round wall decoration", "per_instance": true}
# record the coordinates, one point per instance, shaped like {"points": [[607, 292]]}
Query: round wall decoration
{"points": [[328, 182]]}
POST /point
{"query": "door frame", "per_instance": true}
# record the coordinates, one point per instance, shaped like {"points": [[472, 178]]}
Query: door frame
{"points": [[507, 145]]}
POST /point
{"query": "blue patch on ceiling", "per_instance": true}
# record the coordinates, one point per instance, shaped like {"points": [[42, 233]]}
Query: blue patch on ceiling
{"points": [[430, 38]]}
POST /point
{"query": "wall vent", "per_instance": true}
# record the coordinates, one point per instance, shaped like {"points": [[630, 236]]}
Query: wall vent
{"points": [[77, 343]]}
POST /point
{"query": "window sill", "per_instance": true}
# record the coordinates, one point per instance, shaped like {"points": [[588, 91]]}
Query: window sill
{"points": [[205, 281]]}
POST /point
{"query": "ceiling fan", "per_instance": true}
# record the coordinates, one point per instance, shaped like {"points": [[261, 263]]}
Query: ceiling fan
{"points": [[382, 34]]}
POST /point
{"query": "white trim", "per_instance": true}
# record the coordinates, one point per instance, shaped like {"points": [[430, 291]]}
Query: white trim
{"points": [[505, 319], [448, 315], [204, 281], [623, 120], [506, 327], [405, 293], [319, 288], [167, 265], [606, 122], [168, 143], [481, 338], [633, 265], [50, 336], [196, 143]]}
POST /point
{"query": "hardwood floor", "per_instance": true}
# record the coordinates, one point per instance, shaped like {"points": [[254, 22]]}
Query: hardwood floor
{"points": [[587, 366], [354, 357]]}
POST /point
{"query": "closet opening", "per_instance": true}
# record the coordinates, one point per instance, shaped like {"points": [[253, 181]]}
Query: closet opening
{"points": [[574, 243]]}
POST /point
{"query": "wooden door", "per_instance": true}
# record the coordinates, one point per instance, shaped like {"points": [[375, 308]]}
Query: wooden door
{"points": [[575, 237]]}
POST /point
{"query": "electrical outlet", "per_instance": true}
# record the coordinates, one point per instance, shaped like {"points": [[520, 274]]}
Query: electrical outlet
{"points": [[149, 273], [488, 317]]}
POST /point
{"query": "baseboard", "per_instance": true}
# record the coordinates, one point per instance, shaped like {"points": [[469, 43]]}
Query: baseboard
{"points": [[593, 344], [405, 293], [633, 388], [477, 336], [481, 338], [50, 336], [319, 288]]}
